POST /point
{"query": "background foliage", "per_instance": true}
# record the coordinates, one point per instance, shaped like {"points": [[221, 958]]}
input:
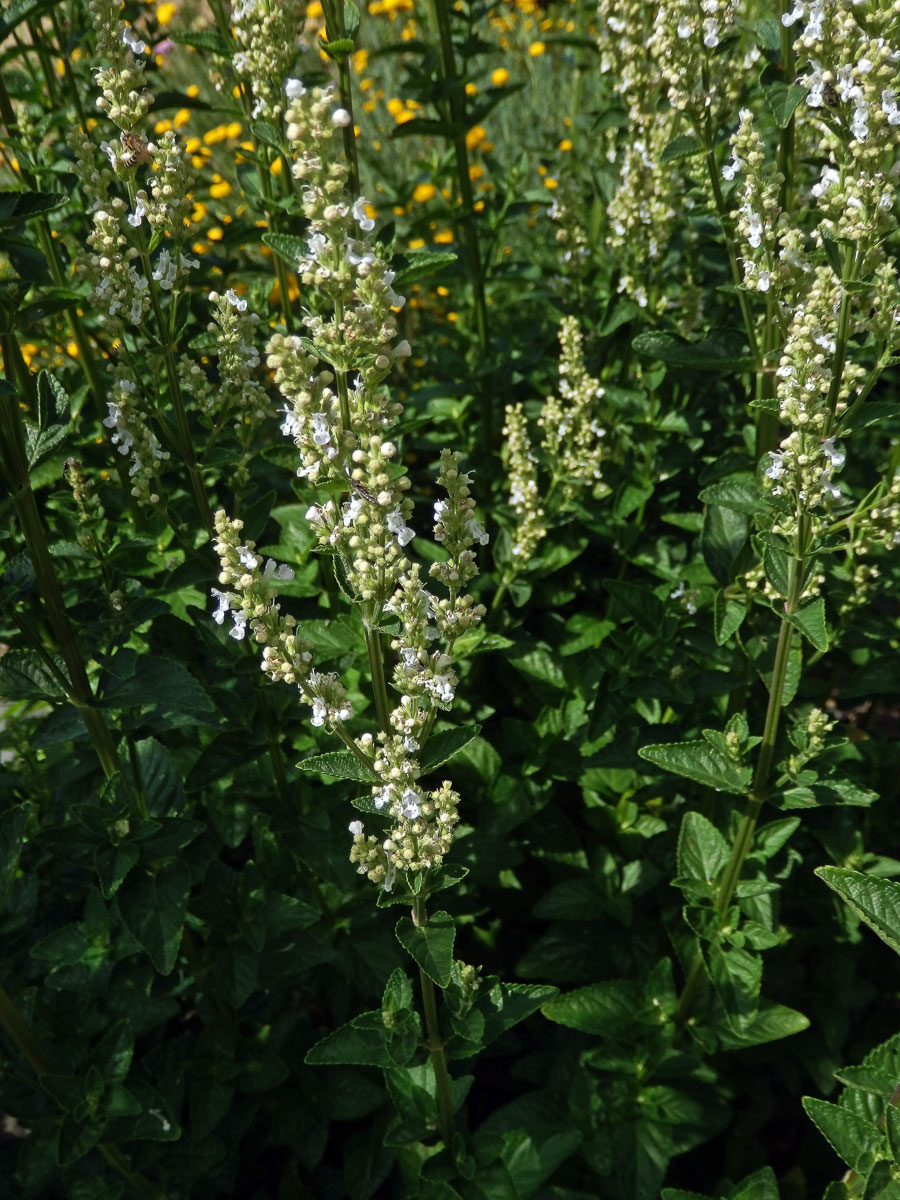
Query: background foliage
{"points": [[199, 996]]}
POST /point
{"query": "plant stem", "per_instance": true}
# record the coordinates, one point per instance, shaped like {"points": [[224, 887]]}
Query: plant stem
{"points": [[435, 1041], [376, 666], [757, 797]]}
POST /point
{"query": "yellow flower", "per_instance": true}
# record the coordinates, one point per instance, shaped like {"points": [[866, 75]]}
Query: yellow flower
{"points": [[165, 13], [423, 192], [444, 237], [220, 188], [551, 183], [471, 89], [500, 77], [416, 243], [162, 126], [475, 136], [360, 60], [536, 49], [476, 171], [192, 90], [442, 291], [181, 117], [192, 145], [395, 107], [314, 9], [216, 233], [565, 144], [72, 349], [233, 130], [404, 117], [275, 169]]}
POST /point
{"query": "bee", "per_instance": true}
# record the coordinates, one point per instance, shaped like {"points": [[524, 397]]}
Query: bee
{"points": [[829, 95], [134, 150]]}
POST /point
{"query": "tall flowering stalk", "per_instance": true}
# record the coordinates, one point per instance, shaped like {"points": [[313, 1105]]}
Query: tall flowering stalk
{"points": [[339, 415], [832, 299]]}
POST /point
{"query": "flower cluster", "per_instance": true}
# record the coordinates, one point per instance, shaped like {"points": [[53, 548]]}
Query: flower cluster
{"points": [[268, 40], [132, 437], [123, 98], [524, 493], [572, 434]]}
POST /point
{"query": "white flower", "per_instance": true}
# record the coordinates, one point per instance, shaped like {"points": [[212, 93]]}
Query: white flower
{"points": [[233, 298], [140, 209], [132, 41], [319, 712], [477, 532], [248, 559], [731, 169], [340, 117], [359, 253], [224, 605], [283, 573], [711, 33], [239, 630], [402, 349], [836, 457], [796, 14], [352, 510], [889, 106], [321, 429], [685, 29], [410, 804], [360, 216], [398, 527], [356, 828], [775, 470], [318, 244], [294, 89]]}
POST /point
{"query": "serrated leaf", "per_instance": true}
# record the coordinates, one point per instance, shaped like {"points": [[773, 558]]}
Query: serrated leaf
{"points": [[25, 676], [341, 764], [875, 901], [605, 1009], [362, 1042], [810, 620], [773, 1022], [728, 616], [702, 852], [736, 975], [442, 746], [18, 206], [739, 492], [685, 145], [701, 762], [154, 907], [209, 40], [852, 1137], [431, 945], [288, 247], [421, 265]]}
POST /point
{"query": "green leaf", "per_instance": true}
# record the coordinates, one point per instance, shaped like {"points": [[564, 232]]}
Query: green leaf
{"points": [[783, 99], [712, 354], [209, 40], [637, 603], [701, 762], [852, 1137], [430, 945], [341, 764], [264, 132], [421, 264], [702, 854], [351, 18], [363, 1042], [160, 682], [739, 492], [875, 901], [18, 206], [773, 1022], [685, 145], [25, 676], [892, 1130], [606, 1009], [736, 975], [153, 907], [810, 620], [53, 420], [728, 616], [288, 247], [442, 746]]}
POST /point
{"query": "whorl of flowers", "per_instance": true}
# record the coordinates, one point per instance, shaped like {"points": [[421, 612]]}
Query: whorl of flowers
{"points": [[572, 435], [524, 493], [120, 73]]}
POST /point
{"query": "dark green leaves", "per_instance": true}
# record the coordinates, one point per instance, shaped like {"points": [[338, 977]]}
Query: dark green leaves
{"points": [[701, 762], [444, 745], [16, 207], [875, 901], [153, 907], [341, 764], [430, 945]]}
